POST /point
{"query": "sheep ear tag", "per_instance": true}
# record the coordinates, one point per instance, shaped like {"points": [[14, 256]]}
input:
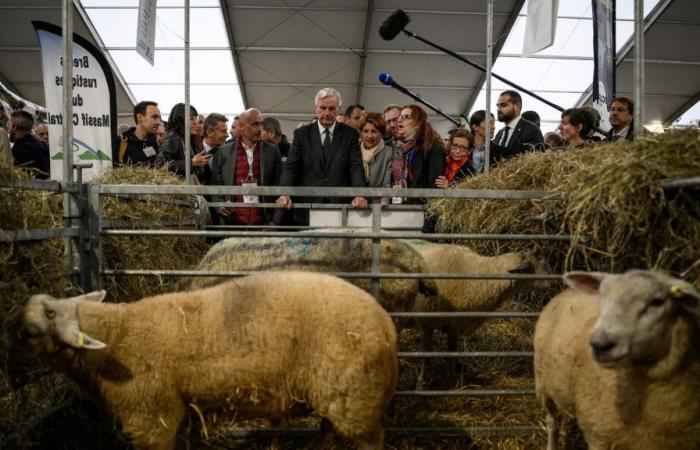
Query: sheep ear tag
{"points": [[90, 343], [687, 296]]}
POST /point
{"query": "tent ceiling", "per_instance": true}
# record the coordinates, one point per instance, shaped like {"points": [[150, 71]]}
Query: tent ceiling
{"points": [[20, 59], [672, 67], [287, 50]]}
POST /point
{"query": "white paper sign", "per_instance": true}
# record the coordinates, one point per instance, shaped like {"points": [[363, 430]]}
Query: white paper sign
{"points": [[94, 102], [541, 26], [146, 30]]}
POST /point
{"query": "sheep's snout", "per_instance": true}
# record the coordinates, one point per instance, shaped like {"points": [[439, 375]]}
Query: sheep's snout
{"points": [[607, 350]]}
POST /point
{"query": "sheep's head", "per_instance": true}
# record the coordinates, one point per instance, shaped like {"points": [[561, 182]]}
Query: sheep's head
{"points": [[46, 325], [637, 311]]}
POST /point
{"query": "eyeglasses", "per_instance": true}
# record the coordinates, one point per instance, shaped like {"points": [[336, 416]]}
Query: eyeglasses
{"points": [[464, 148], [403, 117]]}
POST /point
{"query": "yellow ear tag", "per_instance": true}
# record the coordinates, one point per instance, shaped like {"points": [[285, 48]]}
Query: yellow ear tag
{"points": [[81, 339], [677, 291]]}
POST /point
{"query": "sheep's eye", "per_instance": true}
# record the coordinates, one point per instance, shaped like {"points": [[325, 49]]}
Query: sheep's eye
{"points": [[657, 302], [50, 314]]}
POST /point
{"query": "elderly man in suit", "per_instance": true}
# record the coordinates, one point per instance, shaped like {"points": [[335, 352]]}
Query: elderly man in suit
{"points": [[519, 135], [324, 153], [248, 161]]}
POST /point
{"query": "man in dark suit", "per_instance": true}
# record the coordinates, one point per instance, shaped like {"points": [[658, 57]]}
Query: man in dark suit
{"points": [[621, 119], [28, 151], [519, 135], [248, 161], [323, 153]]}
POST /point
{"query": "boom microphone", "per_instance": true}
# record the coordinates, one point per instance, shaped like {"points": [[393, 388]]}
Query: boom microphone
{"points": [[394, 24], [388, 80]]}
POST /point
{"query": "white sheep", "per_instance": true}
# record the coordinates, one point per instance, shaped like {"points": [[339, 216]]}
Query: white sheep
{"points": [[620, 353], [466, 295], [319, 254], [256, 346]]}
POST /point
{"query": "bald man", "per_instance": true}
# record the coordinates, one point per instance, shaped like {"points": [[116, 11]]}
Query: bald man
{"points": [[248, 161]]}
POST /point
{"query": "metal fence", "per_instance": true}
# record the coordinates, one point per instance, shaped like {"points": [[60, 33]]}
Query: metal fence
{"points": [[87, 228]]}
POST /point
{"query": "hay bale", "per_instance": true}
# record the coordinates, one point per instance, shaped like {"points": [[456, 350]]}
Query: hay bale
{"points": [[615, 209], [146, 252]]}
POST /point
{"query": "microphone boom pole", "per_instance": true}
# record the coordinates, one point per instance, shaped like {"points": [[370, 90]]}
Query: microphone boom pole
{"points": [[483, 69], [387, 80]]}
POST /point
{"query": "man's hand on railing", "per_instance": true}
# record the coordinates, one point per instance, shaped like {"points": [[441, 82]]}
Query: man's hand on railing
{"points": [[359, 202], [225, 211], [284, 201]]}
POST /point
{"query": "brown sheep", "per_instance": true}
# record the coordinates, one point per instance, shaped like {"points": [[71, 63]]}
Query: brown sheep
{"points": [[621, 354], [254, 347], [466, 295]]}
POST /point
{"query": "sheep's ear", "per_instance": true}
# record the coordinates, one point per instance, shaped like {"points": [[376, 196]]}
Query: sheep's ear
{"points": [[95, 296], [585, 281], [686, 295], [69, 332]]}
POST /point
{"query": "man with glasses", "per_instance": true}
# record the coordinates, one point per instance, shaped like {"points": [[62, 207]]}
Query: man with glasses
{"points": [[324, 153], [621, 119], [519, 135]]}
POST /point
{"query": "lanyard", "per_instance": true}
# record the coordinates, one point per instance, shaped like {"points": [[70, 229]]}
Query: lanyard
{"points": [[409, 159]]}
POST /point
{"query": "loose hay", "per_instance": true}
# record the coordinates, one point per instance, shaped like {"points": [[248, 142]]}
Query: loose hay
{"points": [[615, 209], [146, 252]]}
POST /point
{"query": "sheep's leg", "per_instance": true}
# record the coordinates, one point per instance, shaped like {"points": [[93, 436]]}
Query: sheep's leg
{"points": [[553, 424], [371, 441], [427, 341], [152, 426]]}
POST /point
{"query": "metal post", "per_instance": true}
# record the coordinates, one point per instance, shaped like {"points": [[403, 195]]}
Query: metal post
{"points": [[95, 235], [489, 63], [67, 141], [638, 67], [187, 149], [376, 246]]}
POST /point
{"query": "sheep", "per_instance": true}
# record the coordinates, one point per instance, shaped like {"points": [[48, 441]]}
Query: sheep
{"points": [[466, 295], [323, 255], [620, 354], [259, 346]]}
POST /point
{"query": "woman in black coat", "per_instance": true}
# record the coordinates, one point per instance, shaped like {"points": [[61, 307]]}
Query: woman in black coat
{"points": [[172, 152]]}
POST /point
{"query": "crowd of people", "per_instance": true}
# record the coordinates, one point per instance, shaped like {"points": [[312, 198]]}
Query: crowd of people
{"points": [[356, 148]]}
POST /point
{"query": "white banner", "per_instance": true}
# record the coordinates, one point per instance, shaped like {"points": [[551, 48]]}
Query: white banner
{"points": [[146, 30], [94, 104], [541, 26]]}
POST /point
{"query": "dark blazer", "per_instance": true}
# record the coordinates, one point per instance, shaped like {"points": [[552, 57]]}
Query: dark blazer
{"points": [[630, 134], [172, 153], [224, 169], [29, 151], [306, 164], [525, 136], [427, 168]]}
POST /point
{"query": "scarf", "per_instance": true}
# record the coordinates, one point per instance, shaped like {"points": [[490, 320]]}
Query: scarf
{"points": [[400, 169], [368, 155], [452, 167]]}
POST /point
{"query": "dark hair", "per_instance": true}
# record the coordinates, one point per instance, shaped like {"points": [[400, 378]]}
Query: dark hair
{"points": [[176, 121], [272, 124], [211, 121], [348, 110], [476, 118], [628, 102], [391, 106], [375, 119], [461, 133], [552, 139], [579, 116], [426, 136], [532, 116], [514, 97], [22, 120], [141, 107]]}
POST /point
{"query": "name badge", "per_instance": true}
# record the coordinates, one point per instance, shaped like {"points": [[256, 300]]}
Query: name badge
{"points": [[397, 200], [250, 198], [149, 151]]}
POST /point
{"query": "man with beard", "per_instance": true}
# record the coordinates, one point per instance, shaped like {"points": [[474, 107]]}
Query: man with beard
{"points": [[519, 134], [248, 161], [323, 153], [28, 151]]}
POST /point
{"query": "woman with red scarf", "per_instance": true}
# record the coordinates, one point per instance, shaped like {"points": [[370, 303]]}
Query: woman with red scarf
{"points": [[458, 166]]}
